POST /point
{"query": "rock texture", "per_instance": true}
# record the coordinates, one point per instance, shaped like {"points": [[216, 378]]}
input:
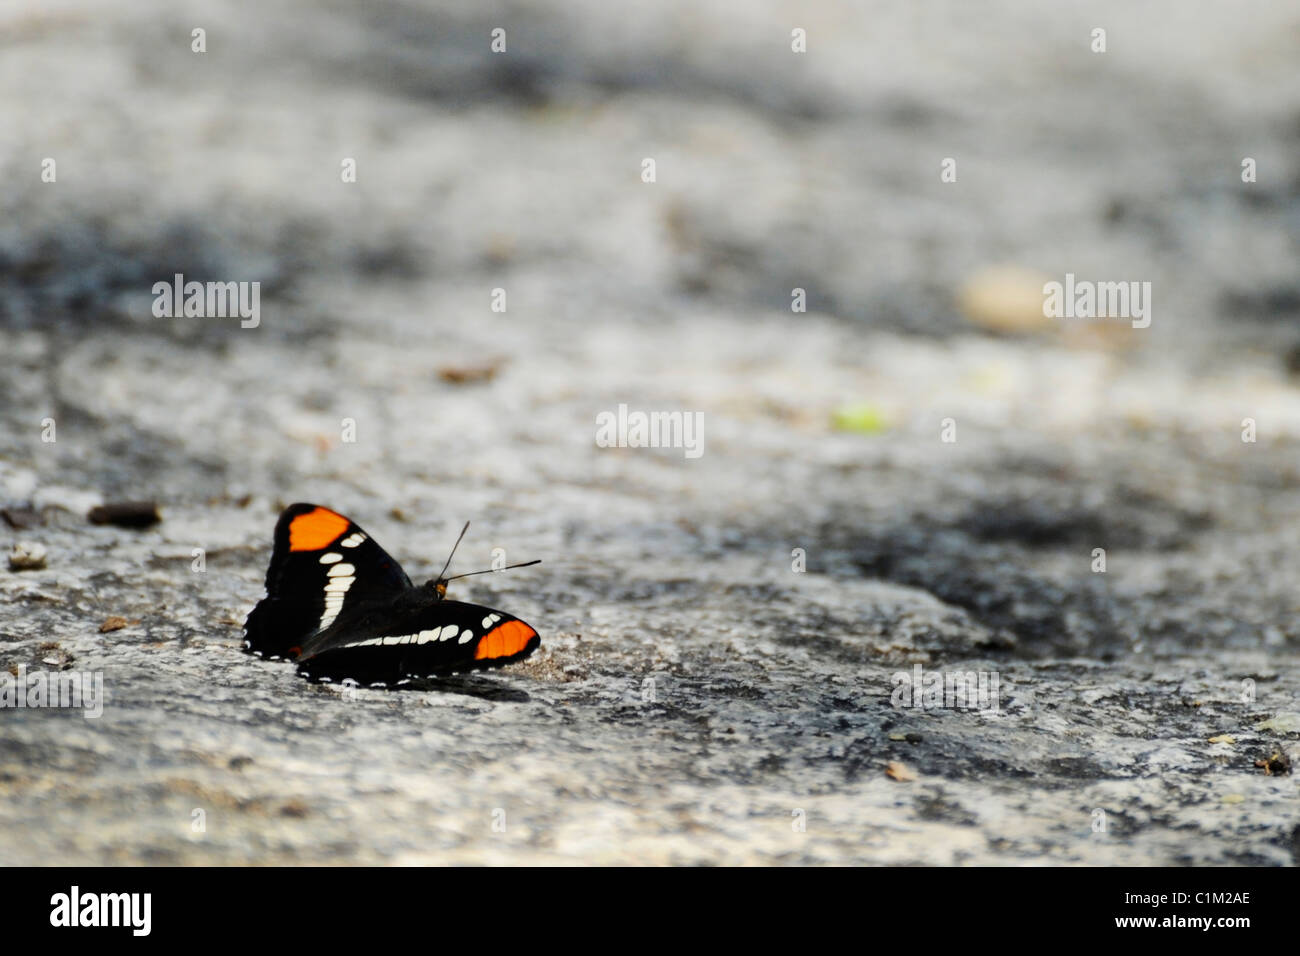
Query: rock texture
{"points": [[696, 698]]}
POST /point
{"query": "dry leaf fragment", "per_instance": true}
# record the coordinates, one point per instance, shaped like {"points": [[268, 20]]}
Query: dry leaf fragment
{"points": [[467, 374], [900, 771]]}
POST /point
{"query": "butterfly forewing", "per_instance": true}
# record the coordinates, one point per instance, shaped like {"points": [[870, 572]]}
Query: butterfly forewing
{"points": [[322, 564]]}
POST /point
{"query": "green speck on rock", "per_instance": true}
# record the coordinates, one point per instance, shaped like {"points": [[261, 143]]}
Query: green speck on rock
{"points": [[860, 417]]}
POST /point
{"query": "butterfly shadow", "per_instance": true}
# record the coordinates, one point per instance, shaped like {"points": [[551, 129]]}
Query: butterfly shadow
{"points": [[470, 687]]}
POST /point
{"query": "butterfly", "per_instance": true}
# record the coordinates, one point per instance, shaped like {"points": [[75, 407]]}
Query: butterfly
{"points": [[345, 611]]}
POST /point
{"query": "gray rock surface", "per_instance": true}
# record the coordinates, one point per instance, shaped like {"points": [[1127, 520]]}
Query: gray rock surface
{"points": [[695, 698]]}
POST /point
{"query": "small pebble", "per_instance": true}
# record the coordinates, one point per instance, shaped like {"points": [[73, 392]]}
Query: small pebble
{"points": [[55, 656], [27, 556], [294, 808], [1007, 299], [126, 514]]}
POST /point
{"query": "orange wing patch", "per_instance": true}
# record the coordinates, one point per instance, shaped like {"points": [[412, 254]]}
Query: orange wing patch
{"points": [[316, 530], [506, 640]]}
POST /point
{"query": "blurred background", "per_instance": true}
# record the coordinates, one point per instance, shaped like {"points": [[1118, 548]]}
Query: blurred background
{"points": [[775, 171]]}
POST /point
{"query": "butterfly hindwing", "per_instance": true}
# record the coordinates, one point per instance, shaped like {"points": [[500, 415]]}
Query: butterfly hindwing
{"points": [[433, 641], [321, 563]]}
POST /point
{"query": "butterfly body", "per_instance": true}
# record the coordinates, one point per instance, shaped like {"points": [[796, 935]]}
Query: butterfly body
{"points": [[344, 610]]}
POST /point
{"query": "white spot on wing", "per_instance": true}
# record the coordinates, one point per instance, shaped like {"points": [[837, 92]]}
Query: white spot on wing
{"points": [[465, 636], [490, 620], [331, 557], [352, 540], [341, 570], [334, 592]]}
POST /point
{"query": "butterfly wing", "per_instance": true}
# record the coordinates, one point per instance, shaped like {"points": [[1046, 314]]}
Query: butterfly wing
{"points": [[447, 637], [321, 562]]}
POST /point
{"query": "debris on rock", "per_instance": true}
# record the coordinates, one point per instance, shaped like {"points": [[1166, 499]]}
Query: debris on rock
{"points": [[900, 771], [126, 514], [1007, 299], [1276, 764], [53, 655], [860, 417], [27, 556], [469, 374], [1284, 723]]}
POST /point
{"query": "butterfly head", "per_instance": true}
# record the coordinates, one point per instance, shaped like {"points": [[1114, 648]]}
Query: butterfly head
{"points": [[433, 590], [439, 584]]}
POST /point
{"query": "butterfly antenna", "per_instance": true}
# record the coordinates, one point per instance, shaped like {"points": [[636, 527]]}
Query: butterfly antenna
{"points": [[490, 570], [453, 552]]}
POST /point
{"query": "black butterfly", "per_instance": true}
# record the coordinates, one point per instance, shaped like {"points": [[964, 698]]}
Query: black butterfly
{"points": [[345, 611]]}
